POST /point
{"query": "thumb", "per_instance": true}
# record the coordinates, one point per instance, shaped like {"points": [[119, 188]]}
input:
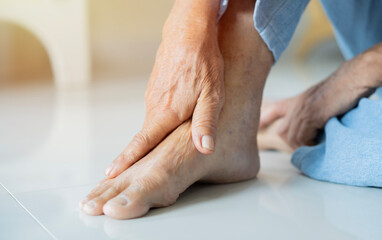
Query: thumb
{"points": [[204, 122]]}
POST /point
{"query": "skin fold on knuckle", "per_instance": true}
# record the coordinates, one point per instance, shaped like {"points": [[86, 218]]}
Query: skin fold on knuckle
{"points": [[180, 113], [159, 127], [140, 139], [210, 72], [128, 156], [204, 124], [121, 157], [217, 99], [214, 96]]}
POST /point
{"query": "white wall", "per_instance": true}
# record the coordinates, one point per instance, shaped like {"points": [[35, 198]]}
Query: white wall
{"points": [[124, 35]]}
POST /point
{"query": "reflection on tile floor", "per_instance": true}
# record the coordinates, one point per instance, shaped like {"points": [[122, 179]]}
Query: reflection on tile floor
{"points": [[15, 222]]}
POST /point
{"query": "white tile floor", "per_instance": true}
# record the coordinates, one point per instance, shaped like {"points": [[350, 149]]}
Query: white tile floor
{"points": [[56, 145]]}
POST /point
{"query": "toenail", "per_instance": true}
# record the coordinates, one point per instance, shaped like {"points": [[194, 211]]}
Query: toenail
{"points": [[208, 142], [121, 200], [91, 204]]}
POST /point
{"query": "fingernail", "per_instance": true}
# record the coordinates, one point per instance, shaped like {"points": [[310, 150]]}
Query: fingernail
{"points": [[121, 200], [90, 205], [208, 142], [108, 170]]}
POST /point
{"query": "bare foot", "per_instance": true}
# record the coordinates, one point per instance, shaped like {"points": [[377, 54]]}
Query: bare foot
{"points": [[159, 178], [175, 164]]}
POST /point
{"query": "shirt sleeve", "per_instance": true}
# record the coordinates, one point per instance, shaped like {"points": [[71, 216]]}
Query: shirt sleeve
{"points": [[276, 22]]}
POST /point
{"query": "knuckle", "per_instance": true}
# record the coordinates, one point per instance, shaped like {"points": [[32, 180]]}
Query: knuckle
{"points": [[165, 114], [127, 156], [220, 96], [120, 158], [141, 138], [204, 123], [178, 116], [215, 100]]}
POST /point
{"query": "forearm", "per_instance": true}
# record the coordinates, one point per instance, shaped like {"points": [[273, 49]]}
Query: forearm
{"points": [[371, 66], [359, 76], [192, 18]]}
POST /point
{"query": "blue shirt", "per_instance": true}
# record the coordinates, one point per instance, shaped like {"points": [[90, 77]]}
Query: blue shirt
{"points": [[357, 24]]}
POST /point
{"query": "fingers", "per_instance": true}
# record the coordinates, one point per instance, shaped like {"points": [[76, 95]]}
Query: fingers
{"points": [[288, 129], [271, 113], [297, 132], [205, 120], [306, 135], [152, 133]]}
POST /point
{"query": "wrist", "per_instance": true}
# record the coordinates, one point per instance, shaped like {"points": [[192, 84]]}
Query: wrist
{"points": [[192, 18], [372, 66]]}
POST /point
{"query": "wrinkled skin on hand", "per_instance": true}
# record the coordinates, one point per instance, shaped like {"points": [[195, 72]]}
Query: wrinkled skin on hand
{"points": [[186, 83], [304, 115]]}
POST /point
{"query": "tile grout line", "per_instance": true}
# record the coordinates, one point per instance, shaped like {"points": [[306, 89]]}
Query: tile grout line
{"points": [[34, 218]]}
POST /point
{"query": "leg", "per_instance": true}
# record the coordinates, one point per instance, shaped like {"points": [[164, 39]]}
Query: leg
{"points": [[175, 164], [247, 62]]}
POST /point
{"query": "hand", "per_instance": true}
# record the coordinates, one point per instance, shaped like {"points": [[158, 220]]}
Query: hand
{"points": [[308, 112], [186, 82]]}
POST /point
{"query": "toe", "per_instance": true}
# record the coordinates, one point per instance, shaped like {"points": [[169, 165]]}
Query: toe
{"points": [[98, 190], [95, 205], [131, 203]]}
